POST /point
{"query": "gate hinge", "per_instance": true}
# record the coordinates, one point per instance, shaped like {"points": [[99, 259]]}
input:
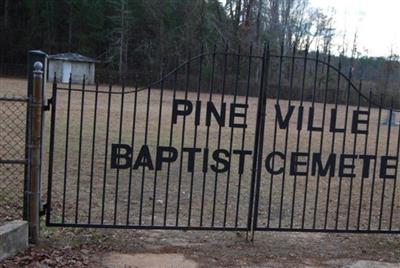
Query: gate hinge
{"points": [[43, 210], [48, 105]]}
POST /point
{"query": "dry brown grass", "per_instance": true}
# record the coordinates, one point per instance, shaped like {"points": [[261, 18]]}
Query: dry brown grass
{"points": [[348, 203]]}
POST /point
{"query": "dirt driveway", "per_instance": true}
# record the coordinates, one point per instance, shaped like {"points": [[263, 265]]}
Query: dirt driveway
{"points": [[97, 248]]}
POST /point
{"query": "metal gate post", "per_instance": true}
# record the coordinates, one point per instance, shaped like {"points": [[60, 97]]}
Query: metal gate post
{"points": [[36, 105], [33, 56], [260, 151], [258, 141]]}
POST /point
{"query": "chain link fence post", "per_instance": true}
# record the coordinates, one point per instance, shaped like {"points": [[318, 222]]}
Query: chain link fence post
{"points": [[36, 105], [33, 56]]}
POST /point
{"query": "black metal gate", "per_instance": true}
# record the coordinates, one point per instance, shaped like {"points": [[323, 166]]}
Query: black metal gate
{"points": [[232, 140]]}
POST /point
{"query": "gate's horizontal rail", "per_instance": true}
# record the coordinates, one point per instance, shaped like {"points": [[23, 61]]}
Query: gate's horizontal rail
{"points": [[14, 99], [153, 227], [199, 228], [7, 161], [355, 231]]}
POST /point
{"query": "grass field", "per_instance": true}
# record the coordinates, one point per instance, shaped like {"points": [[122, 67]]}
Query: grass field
{"points": [[225, 198]]}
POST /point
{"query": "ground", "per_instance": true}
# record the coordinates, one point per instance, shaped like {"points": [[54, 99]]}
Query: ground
{"points": [[97, 247], [93, 248]]}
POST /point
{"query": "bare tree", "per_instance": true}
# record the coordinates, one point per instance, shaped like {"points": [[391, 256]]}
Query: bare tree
{"points": [[280, 22], [119, 36], [389, 69]]}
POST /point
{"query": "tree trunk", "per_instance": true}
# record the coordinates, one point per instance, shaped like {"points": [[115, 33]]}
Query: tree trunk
{"points": [[161, 33], [274, 26], [121, 42], [5, 14], [237, 18], [70, 28], [286, 34], [258, 27]]}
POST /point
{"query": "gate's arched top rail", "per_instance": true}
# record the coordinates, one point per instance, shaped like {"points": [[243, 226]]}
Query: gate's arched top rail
{"points": [[305, 57]]}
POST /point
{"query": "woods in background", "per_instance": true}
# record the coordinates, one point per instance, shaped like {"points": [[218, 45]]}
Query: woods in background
{"points": [[142, 37]]}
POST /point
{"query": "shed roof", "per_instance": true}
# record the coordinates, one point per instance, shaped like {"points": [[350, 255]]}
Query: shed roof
{"points": [[69, 56]]}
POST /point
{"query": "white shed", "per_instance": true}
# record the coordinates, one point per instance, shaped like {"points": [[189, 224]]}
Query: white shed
{"points": [[76, 64]]}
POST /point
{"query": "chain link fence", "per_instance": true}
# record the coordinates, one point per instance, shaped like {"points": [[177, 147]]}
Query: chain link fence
{"points": [[13, 160]]}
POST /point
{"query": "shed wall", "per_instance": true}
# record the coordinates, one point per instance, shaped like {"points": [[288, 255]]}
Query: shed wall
{"points": [[54, 67], [78, 70]]}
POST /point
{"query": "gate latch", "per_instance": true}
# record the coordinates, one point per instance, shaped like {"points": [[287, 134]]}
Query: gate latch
{"points": [[47, 106], [43, 210]]}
